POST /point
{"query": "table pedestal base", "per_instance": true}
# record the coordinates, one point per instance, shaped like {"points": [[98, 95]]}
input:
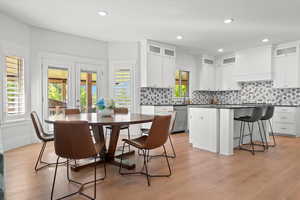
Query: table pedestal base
{"points": [[126, 163]]}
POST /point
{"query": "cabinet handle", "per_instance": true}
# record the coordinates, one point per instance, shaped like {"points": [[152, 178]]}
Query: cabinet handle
{"points": [[283, 118]]}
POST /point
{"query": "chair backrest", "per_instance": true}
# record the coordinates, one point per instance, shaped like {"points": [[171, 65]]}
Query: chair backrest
{"points": [[269, 112], [257, 114], [72, 111], [121, 110], [159, 132], [37, 126], [72, 140]]}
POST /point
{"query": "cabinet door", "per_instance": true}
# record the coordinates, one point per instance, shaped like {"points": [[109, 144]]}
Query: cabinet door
{"points": [[279, 72], [286, 71], [203, 77], [203, 128], [211, 77], [291, 71], [154, 70], [168, 72], [219, 78], [207, 77]]}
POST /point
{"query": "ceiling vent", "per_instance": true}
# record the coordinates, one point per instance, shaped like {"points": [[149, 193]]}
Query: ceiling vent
{"points": [[229, 60], [208, 61], [286, 51]]}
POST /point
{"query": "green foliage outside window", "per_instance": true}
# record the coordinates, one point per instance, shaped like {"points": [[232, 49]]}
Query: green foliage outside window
{"points": [[180, 91], [55, 92]]}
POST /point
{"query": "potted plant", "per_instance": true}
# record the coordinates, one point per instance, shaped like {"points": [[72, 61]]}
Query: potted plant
{"points": [[106, 107]]}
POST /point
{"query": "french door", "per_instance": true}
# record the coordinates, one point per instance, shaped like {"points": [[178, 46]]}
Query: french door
{"points": [[70, 85], [88, 84], [58, 87]]}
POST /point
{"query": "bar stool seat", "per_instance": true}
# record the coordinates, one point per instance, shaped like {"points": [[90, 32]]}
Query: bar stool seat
{"points": [[255, 117]]}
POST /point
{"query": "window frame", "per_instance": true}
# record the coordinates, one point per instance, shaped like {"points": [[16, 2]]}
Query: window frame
{"points": [[125, 64], [180, 80], [22, 52]]}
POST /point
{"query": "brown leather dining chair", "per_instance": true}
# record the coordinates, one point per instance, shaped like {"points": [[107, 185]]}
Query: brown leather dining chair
{"points": [[72, 111], [172, 123], [72, 140], [44, 137], [123, 127], [158, 135]]}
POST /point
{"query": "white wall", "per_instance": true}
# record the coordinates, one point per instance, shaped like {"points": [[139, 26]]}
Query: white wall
{"points": [[40, 42], [126, 52], [45, 41], [13, 33]]}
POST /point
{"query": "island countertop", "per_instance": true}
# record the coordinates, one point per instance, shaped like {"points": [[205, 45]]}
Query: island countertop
{"points": [[233, 106]]}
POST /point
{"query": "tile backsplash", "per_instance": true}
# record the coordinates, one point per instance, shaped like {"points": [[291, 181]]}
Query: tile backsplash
{"points": [[251, 92]]}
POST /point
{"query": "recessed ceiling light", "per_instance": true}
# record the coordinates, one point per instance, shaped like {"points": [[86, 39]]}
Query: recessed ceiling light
{"points": [[228, 21], [102, 13], [220, 50], [265, 40], [179, 37]]}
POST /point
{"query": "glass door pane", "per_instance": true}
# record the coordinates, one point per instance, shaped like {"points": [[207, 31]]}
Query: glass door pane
{"points": [[57, 90], [88, 91]]}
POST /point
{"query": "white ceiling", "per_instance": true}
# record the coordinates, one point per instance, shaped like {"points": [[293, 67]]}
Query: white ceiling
{"points": [[199, 21]]}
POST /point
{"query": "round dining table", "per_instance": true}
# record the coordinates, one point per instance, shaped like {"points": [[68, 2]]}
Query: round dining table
{"points": [[97, 122]]}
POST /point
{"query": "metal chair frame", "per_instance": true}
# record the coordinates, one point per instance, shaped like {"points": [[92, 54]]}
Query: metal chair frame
{"points": [[145, 165], [79, 191]]}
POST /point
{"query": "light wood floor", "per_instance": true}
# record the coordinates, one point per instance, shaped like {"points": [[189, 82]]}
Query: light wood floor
{"points": [[196, 175]]}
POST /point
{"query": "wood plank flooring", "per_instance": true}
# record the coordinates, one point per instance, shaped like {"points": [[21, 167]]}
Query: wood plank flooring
{"points": [[196, 175]]}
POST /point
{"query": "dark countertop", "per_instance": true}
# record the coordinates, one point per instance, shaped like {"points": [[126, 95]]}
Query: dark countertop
{"points": [[250, 105]]}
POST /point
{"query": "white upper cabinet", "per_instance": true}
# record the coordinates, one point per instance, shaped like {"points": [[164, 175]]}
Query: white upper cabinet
{"points": [[225, 71], [168, 70], [254, 64], [157, 65], [286, 73], [207, 74], [154, 70]]}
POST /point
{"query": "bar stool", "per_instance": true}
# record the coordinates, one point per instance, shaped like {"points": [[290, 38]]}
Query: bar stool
{"points": [[267, 118], [255, 117]]}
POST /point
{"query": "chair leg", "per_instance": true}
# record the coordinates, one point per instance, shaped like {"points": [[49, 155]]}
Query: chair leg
{"points": [[146, 167], [128, 132], [167, 159], [243, 134], [54, 179], [251, 139], [40, 157], [81, 184], [261, 137], [174, 153], [240, 139], [274, 141]]}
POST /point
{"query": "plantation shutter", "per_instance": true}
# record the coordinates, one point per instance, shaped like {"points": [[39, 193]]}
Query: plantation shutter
{"points": [[122, 88], [15, 92]]}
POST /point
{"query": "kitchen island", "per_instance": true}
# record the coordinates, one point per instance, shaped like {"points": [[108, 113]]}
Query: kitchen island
{"points": [[213, 128]]}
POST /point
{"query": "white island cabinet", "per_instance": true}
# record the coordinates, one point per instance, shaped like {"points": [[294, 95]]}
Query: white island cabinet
{"points": [[204, 128], [213, 128]]}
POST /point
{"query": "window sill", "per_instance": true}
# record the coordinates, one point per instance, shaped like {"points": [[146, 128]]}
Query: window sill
{"points": [[14, 122]]}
